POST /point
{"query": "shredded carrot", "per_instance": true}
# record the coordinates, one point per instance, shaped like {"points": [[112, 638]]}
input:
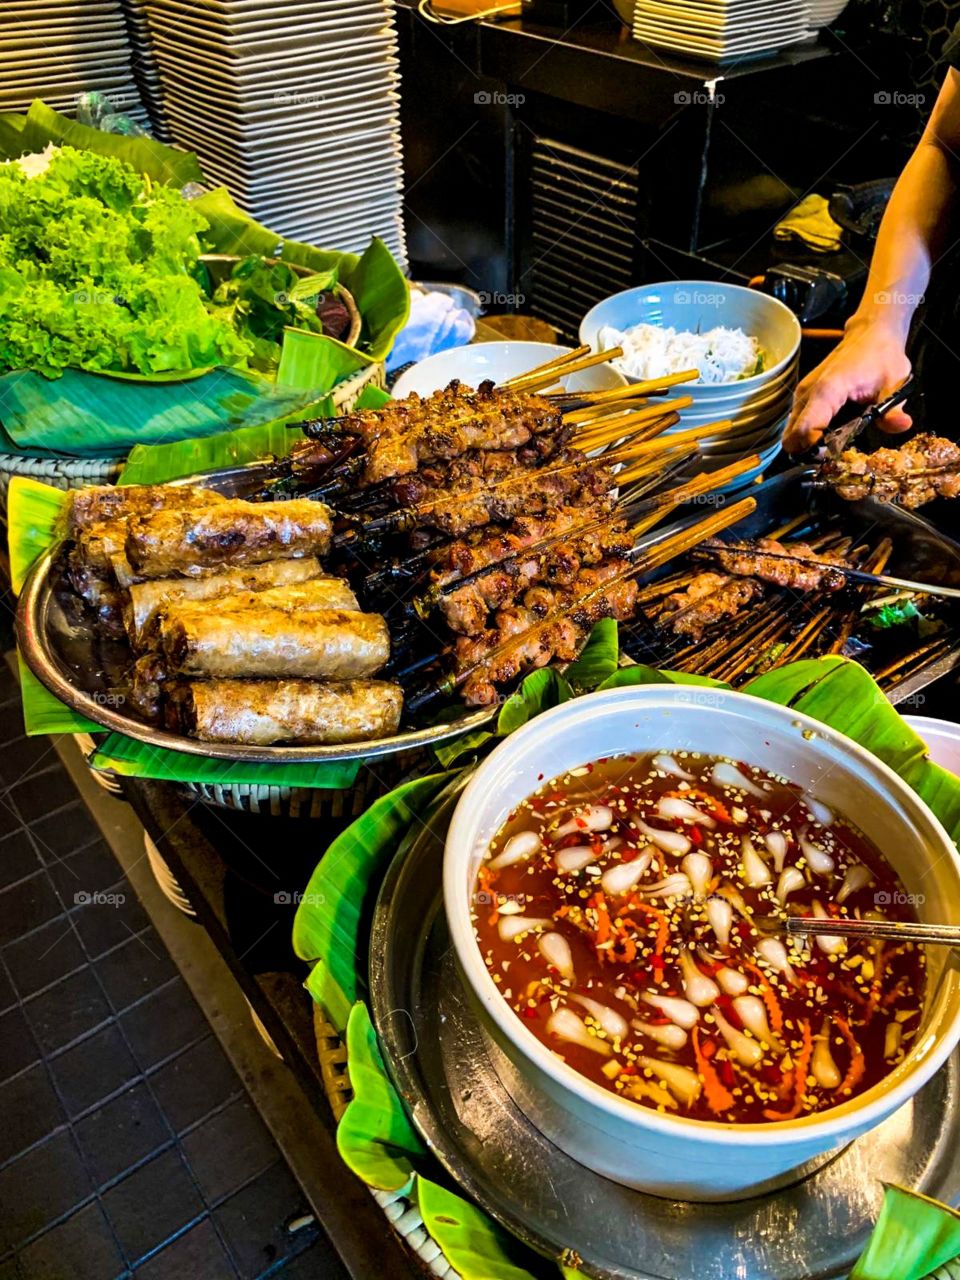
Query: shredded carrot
{"points": [[624, 949], [799, 1079], [718, 1096], [663, 930], [485, 879], [857, 1061], [774, 1012], [598, 902]]}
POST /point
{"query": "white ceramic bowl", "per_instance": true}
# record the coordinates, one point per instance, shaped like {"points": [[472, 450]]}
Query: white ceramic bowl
{"points": [[668, 1155], [942, 738], [698, 305], [498, 361]]}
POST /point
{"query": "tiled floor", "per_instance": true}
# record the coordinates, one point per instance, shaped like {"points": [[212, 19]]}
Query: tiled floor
{"points": [[128, 1145]]}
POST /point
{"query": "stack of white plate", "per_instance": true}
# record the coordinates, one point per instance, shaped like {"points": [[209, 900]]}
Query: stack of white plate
{"points": [[823, 12], [758, 406], [294, 106], [721, 30], [59, 49], [146, 73]]}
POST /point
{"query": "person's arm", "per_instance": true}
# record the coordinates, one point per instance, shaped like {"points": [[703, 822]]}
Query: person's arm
{"points": [[871, 362]]}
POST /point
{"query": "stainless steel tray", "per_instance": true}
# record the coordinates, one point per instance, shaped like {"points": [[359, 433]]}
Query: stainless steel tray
{"points": [[436, 1055], [87, 672]]}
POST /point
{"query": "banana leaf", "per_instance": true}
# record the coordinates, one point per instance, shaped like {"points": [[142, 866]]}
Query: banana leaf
{"points": [[599, 659], [34, 513], [327, 925], [43, 713], [311, 360], [11, 134], [914, 1236], [166, 165], [329, 995], [93, 415], [129, 758], [374, 1137], [156, 463], [472, 1243]]}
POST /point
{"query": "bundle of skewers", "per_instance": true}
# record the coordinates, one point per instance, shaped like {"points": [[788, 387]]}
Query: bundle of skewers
{"points": [[494, 527], [737, 608]]}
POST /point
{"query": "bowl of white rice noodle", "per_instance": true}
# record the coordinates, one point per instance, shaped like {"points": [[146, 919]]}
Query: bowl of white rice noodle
{"points": [[744, 345]]}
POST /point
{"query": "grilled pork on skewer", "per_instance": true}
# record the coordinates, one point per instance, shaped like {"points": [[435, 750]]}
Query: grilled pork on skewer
{"points": [[708, 598], [781, 572], [924, 468]]}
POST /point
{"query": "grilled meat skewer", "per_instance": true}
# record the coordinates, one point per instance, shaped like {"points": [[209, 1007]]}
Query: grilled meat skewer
{"points": [[773, 561], [924, 468]]}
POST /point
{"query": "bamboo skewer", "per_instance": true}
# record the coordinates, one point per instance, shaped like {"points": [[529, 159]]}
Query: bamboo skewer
{"points": [[547, 367], [535, 381], [600, 413], [694, 488], [642, 427], [657, 555], [597, 429]]}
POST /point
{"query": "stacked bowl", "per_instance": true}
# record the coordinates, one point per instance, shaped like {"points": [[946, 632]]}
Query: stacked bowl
{"points": [[758, 405]]}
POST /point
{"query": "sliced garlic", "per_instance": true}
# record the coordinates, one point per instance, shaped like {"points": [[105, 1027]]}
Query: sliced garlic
{"points": [[698, 869], [673, 886], [682, 1012], [668, 765], [823, 1068], [683, 1083], [555, 949], [674, 807], [510, 927], [745, 1050], [574, 859], [565, 1024], [720, 918], [622, 876], [775, 953], [669, 1035], [819, 861], [776, 842], [791, 879], [755, 870], [608, 1019], [725, 774], [697, 987], [732, 981], [517, 849], [857, 877], [753, 1014], [598, 817], [668, 841]]}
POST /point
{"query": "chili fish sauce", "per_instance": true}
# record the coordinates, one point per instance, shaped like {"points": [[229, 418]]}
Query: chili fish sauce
{"points": [[630, 913]]}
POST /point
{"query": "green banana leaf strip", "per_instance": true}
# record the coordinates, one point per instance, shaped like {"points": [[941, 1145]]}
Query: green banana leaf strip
{"points": [[374, 1137], [43, 713], [339, 894], [382, 296], [130, 758], [626, 677], [914, 1235], [166, 165], [91, 415], [786, 684], [34, 513], [599, 659], [472, 1243], [540, 691], [311, 360], [329, 995]]}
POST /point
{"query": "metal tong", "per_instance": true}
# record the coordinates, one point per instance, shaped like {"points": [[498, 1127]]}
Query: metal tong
{"points": [[836, 439], [897, 930]]}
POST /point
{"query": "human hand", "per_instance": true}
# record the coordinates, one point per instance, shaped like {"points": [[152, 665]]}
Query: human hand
{"points": [[866, 367]]}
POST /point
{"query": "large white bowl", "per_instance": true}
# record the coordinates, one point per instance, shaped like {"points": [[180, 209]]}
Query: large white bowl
{"points": [[697, 305], [663, 1154], [498, 361]]}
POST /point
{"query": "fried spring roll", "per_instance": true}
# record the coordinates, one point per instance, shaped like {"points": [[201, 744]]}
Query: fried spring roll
{"points": [[147, 598], [231, 533], [97, 503], [333, 644], [304, 712]]}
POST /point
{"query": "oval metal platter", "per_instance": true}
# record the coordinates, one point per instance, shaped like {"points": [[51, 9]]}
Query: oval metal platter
{"points": [[437, 1056], [88, 672]]}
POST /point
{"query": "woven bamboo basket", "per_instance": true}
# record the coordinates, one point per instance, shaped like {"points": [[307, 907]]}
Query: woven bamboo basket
{"points": [[401, 1212]]}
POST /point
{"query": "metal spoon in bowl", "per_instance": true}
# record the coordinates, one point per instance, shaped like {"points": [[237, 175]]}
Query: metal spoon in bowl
{"points": [[898, 930]]}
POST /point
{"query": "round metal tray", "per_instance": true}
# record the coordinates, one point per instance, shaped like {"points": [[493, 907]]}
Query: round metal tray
{"points": [[85, 671], [436, 1054]]}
